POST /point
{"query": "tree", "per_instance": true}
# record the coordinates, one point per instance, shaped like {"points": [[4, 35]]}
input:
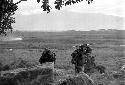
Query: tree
{"points": [[8, 8]]}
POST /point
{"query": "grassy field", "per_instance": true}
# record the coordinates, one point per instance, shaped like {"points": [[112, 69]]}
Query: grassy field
{"points": [[107, 47]]}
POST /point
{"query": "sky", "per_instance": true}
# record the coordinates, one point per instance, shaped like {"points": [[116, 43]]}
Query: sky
{"points": [[107, 7]]}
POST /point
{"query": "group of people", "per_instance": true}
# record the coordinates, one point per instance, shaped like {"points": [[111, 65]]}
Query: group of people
{"points": [[82, 58], [79, 59]]}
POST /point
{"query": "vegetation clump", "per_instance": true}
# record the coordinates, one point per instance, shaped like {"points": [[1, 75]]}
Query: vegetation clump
{"points": [[77, 80]]}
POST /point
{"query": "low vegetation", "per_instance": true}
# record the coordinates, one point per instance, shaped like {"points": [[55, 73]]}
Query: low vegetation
{"points": [[106, 47], [36, 75]]}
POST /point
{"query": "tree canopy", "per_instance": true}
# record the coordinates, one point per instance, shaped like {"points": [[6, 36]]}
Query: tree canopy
{"points": [[8, 8]]}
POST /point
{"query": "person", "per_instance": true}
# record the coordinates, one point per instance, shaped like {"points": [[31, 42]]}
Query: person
{"points": [[82, 57], [47, 56]]}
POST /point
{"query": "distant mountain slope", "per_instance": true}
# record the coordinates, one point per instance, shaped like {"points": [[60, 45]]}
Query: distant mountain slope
{"points": [[68, 21]]}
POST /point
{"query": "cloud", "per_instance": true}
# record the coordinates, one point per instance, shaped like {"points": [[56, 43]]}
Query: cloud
{"points": [[98, 6], [31, 12], [115, 11], [109, 7]]}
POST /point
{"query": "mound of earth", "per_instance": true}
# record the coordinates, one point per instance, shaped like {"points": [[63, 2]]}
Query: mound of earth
{"points": [[37, 75]]}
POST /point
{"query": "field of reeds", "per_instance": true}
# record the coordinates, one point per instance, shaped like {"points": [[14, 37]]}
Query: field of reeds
{"points": [[108, 47]]}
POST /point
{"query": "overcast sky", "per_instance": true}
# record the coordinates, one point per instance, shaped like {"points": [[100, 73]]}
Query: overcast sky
{"points": [[110, 7], [106, 7]]}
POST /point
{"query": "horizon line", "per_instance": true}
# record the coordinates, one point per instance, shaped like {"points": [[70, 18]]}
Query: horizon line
{"points": [[68, 30]]}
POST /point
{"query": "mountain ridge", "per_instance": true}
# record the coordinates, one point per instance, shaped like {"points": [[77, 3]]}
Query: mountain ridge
{"points": [[63, 21]]}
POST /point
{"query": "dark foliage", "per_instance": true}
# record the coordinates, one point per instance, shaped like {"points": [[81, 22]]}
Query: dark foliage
{"points": [[60, 3], [46, 6], [8, 8], [47, 56]]}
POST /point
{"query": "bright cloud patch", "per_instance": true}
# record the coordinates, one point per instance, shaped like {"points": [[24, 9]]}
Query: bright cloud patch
{"points": [[29, 12]]}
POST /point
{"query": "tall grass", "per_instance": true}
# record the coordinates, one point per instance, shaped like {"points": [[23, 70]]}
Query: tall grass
{"points": [[23, 76]]}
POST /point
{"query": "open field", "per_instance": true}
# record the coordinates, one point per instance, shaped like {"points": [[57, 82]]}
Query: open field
{"points": [[108, 47]]}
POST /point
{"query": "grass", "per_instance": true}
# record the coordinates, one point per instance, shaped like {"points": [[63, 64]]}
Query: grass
{"points": [[107, 50], [23, 76]]}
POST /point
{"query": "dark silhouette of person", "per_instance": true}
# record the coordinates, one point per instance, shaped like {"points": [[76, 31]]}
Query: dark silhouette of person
{"points": [[47, 56], [81, 58]]}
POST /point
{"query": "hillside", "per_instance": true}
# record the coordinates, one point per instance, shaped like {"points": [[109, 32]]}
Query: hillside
{"points": [[66, 20]]}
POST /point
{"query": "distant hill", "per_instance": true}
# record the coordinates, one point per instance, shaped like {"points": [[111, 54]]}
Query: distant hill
{"points": [[64, 20]]}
